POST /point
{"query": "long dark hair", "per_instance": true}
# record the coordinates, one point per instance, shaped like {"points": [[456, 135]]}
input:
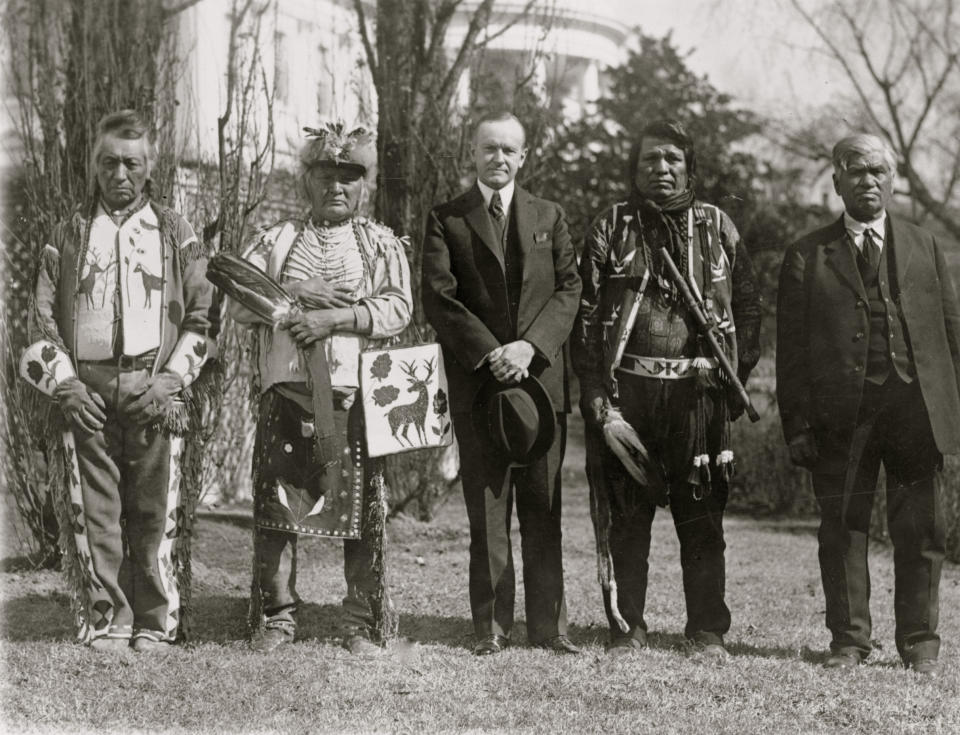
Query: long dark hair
{"points": [[671, 130]]}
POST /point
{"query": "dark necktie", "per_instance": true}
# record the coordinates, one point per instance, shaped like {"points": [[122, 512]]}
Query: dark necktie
{"points": [[869, 260], [497, 214]]}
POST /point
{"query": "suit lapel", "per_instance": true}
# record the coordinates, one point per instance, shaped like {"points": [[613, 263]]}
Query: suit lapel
{"points": [[525, 210], [896, 240], [526, 214], [479, 221], [840, 257]]}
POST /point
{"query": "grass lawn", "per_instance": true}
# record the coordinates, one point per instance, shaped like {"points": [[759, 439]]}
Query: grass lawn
{"points": [[429, 681]]}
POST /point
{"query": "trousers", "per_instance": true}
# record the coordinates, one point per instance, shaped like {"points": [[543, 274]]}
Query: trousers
{"points": [[275, 551], [490, 487], [130, 488], [665, 415], [893, 429]]}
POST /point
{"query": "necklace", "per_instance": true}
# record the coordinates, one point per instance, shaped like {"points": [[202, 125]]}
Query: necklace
{"points": [[332, 252]]}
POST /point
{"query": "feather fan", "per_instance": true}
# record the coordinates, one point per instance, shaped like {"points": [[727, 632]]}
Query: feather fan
{"points": [[249, 286]]}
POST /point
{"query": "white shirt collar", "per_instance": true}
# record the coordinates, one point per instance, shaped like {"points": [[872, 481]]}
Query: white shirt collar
{"points": [[857, 228], [506, 194]]}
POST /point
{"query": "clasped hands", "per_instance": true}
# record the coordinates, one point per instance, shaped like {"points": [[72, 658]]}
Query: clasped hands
{"points": [[510, 363], [86, 410]]}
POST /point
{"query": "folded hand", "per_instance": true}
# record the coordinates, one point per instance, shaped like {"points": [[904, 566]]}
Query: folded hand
{"points": [[153, 398], [306, 327], [318, 293], [510, 363], [83, 407]]}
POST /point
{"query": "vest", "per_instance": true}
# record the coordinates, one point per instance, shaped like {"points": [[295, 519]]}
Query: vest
{"points": [[888, 341]]}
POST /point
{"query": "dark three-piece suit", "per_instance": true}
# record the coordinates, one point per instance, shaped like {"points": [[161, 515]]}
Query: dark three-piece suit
{"points": [[482, 289], [867, 361]]}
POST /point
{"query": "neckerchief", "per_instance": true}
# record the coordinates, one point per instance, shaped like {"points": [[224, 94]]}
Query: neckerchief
{"points": [[667, 226]]}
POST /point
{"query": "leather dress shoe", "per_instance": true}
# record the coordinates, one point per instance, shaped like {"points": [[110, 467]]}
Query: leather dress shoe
{"points": [[843, 660], [928, 667], [490, 644], [270, 639], [558, 644]]}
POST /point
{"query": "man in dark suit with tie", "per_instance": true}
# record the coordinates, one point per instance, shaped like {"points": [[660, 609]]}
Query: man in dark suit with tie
{"points": [[501, 289], [868, 335]]}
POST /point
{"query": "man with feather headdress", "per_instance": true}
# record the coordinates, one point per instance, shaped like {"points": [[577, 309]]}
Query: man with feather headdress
{"points": [[651, 394], [123, 321], [350, 284]]}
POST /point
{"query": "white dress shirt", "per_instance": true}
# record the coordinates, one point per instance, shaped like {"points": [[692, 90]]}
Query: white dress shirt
{"points": [[506, 195], [855, 229]]}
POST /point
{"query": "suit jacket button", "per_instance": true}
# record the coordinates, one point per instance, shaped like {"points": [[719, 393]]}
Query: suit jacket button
{"points": [[857, 368], [858, 336]]}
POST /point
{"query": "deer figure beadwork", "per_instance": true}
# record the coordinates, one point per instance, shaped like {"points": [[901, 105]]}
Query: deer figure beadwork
{"points": [[150, 282], [412, 413], [89, 281]]}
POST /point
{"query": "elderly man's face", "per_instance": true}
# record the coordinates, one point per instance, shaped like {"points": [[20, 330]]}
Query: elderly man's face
{"points": [[334, 192], [499, 150], [866, 186], [661, 169], [122, 170]]}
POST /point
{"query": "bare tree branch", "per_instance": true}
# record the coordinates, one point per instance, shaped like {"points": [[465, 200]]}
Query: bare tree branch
{"points": [[169, 12], [479, 20], [841, 59], [367, 45], [507, 26]]}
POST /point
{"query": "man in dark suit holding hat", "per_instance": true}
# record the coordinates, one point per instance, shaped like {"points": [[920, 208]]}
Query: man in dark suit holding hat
{"points": [[868, 334], [500, 286]]}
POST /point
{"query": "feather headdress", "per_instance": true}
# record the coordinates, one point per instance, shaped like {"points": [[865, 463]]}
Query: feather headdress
{"points": [[333, 143]]}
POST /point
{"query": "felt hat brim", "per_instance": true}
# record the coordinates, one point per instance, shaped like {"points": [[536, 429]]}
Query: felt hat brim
{"points": [[546, 418]]}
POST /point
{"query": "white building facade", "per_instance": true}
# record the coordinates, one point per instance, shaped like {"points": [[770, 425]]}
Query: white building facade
{"points": [[312, 57]]}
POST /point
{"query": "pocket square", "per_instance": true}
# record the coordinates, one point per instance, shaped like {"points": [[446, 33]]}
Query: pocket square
{"points": [[540, 237]]}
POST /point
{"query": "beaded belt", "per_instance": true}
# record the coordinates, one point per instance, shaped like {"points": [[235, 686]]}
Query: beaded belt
{"points": [[665, 368], [126, 363]]}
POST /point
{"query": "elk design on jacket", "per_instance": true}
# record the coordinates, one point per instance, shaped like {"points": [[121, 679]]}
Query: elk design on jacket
{"points": [[88, 283], [150, 283]]}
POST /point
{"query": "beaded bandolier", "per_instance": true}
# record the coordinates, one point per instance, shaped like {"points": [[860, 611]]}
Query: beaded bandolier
{"points": [[634, 324]]}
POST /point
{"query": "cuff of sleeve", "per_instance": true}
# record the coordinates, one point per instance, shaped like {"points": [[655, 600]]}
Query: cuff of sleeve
{"points": [[189, 356], [45, 365], [362, 319]]}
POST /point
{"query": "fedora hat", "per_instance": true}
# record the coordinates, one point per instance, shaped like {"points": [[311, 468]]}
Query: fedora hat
{"points": [[516, 421]]}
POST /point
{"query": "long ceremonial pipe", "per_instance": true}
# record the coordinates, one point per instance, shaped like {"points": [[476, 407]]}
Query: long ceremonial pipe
{"points": [[707, 329]]}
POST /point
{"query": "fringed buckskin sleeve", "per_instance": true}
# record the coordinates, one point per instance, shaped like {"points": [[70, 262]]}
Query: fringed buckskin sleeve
{"points": [[390, 304], [44, 307]]}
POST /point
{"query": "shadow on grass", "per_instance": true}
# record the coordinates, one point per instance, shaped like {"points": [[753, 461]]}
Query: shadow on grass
{"points": [[218, 618], [35, 617]]}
